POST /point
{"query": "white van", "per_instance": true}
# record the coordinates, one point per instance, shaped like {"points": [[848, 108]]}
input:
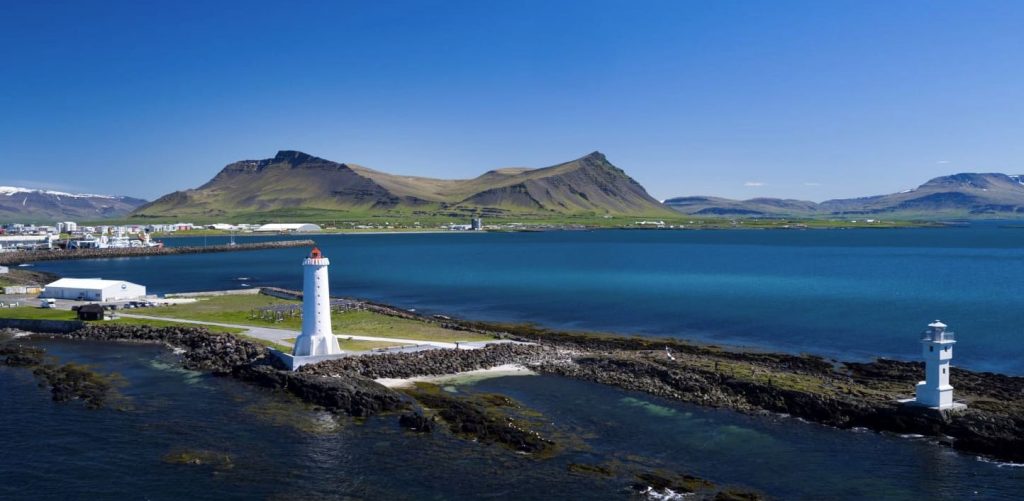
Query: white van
{"points": [[48, 303]]}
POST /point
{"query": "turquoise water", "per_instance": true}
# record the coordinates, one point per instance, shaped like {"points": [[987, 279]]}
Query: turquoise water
{"points": [[849, 294], [282, 449]]}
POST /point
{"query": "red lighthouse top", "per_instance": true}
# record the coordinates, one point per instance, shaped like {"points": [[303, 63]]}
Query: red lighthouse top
{"points": [[315, 253]]}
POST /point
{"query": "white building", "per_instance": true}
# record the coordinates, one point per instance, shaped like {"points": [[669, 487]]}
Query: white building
{"points": [[67, 226], [937, 347], [221, 226], [93, 289], [4, 270], [289, 227], [14, 242], [317, 338]]}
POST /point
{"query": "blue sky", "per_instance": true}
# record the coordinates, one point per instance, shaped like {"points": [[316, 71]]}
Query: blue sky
{"points": [[812, 100]]}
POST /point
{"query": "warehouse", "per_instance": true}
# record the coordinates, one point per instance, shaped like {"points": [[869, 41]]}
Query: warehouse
{"points": [[289, 227], [93, 289]]}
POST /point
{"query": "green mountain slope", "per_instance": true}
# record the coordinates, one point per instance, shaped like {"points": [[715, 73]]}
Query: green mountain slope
{"points": [[295, 182]]}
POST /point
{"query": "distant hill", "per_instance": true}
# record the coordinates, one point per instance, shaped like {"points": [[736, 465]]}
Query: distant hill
{"points": [[294, 182], [24, 205], [959, 195]]}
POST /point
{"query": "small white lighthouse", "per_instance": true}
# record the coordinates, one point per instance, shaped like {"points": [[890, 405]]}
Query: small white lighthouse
{"points": [[317, 338], [937, 347]]}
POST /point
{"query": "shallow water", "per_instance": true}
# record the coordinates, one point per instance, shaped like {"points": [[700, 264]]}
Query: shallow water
{"points": [[849, 294], [280, 448]]}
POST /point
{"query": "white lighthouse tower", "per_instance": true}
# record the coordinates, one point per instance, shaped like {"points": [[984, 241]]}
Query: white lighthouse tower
{"points": [[937, 347], [317, 338]]}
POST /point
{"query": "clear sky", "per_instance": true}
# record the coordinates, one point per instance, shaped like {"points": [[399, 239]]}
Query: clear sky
{"points": [[813, 100]]}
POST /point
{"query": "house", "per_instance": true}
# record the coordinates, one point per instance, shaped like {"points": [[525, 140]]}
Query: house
{"points": [[93, 289], [91, 312]]}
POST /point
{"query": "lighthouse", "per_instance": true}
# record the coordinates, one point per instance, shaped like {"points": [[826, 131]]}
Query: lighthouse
{"points": [[937, 347], [317, 338]]}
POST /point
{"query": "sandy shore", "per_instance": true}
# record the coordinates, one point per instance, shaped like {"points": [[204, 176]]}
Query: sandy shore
{"points": [[477, 375]]}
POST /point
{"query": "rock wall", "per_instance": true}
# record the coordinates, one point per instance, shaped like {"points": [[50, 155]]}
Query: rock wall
{"points": [[47, 326], [430, 362]]}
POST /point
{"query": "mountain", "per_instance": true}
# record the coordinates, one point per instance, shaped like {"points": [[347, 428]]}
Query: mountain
{"points": [[294, 182], [45, 206], [958, 195]]}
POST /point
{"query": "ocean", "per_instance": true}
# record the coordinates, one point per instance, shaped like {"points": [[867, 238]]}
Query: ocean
{"points": [[847, 294], [256, 444]]}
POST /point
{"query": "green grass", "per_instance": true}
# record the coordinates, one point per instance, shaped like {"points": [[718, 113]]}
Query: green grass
{"points": [[36, 313], [237, 310], [365, 323]]}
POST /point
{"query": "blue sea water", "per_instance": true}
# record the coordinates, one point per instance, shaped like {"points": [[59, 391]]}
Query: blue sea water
{"points": [[279, 448], [848, 294]]}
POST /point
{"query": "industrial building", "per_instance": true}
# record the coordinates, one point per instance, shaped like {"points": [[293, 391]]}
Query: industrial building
{"points": [[289, 227], [93, 289]]}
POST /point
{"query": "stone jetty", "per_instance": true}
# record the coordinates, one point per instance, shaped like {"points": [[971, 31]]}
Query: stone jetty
{"points": [[19, 257]]}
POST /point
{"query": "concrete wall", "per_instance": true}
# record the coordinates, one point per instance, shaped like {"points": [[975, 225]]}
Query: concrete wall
{"points": [[233, 292], [54, 326]]}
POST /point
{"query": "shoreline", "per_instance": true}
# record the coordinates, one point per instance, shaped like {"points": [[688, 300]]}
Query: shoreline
{"points": [[837, 393]]}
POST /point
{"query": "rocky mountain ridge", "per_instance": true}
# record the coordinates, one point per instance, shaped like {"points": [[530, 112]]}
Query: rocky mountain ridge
{"points": [[28, 205], [294, 180]]}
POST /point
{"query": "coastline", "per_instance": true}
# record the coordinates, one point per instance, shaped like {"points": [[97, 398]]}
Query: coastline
{"points": [[841, 394]]}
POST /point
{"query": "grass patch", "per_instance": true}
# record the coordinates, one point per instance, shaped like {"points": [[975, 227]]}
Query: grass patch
{"points": [[36, 313], [365, 323], [238, 310]]}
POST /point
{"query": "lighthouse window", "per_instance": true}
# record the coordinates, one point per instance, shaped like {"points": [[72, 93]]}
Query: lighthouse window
{"points": [[931, 348], [943, 370]]}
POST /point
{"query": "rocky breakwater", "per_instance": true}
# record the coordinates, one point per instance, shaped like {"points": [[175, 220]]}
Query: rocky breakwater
{"points": [[432, 362], [844, 395], [485, 418], [227, 355], [19, 257]]}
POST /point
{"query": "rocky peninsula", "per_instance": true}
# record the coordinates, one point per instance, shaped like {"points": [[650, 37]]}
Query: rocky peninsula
{"points": [[829, 392]]}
